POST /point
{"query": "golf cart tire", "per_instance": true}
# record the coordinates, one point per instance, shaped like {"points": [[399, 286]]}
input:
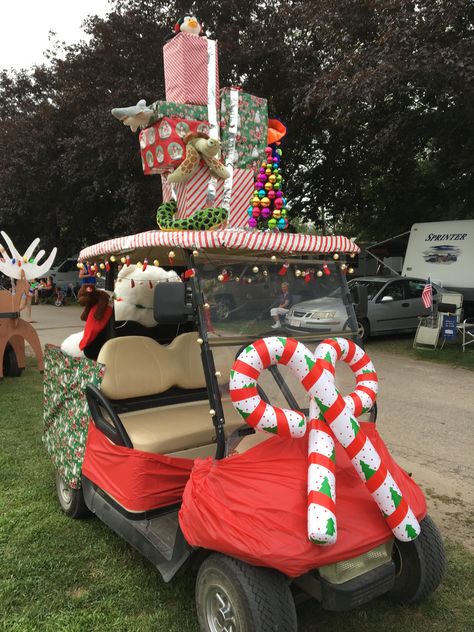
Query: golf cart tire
{"points": [[254, 599], [10, 363], [420, 565], [363, 329], [71, 500]]}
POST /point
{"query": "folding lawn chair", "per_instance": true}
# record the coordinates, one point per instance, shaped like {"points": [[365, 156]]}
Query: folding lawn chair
{"points": [[430, 333]]}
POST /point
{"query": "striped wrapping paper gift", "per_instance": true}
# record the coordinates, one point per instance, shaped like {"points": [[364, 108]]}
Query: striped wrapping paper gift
{"points": [[192, 195], [186, 76]]}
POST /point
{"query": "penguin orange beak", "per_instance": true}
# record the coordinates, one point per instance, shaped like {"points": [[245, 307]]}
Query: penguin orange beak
{"points": [[193, 23]]}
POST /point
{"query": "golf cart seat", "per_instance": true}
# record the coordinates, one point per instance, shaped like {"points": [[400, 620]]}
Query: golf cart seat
{"points": [[137, 368]]}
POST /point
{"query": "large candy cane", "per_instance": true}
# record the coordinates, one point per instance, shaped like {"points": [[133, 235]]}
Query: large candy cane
{"points": [[322, 524], [317, 377]]}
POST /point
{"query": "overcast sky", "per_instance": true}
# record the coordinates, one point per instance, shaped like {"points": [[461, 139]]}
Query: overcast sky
{"points": [[24, 27]]}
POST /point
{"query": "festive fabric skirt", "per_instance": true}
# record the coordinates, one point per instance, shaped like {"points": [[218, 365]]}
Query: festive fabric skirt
{"points": [[253, 506]]}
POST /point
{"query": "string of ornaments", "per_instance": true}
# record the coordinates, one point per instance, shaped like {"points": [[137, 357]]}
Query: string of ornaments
{"points": [[267, 210], [307, 274]]}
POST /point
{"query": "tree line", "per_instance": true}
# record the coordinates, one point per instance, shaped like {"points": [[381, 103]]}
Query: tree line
{"points": [[377, 96]]}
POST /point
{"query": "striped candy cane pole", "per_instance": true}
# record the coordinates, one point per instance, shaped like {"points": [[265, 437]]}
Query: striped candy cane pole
{"points": [[322, 527], [339, 414], [363, 398], [243, 389], [290, 423], [322, 524]]}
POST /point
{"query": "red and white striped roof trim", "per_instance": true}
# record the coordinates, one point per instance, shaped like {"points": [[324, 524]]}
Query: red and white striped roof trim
{"points": [[221, 239]]}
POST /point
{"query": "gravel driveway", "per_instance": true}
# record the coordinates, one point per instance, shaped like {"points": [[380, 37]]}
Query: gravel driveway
{"points": [[426, 413]]}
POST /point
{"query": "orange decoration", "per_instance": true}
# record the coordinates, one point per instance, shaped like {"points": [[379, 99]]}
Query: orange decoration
{"points": [[276, 131]]}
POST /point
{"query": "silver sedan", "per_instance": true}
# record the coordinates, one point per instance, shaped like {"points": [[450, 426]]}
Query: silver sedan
{"points": [[394, 305]]}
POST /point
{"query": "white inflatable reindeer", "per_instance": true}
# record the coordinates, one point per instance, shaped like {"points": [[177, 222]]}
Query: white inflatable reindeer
{"points": [[13, 329], [26, 266]]}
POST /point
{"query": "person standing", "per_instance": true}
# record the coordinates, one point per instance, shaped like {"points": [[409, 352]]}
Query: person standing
{"points": [[27, 299], [285, 301]]}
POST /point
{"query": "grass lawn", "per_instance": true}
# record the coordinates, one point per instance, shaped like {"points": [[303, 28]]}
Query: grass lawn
{"points": [[58, 574], [402, 344]]}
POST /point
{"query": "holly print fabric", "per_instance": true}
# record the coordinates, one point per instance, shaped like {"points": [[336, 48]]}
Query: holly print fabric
{"points": [[252, 128], [66, 413], [177, 110]]}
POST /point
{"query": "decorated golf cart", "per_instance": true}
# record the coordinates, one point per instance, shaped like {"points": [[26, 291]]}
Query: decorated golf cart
{"points": [[204, 433]]}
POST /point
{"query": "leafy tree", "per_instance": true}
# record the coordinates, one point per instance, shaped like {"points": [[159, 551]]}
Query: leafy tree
{"points": [[391, 97], [377, 98]]}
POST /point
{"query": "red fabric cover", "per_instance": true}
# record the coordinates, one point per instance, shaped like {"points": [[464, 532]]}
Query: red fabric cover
{"points": [[94, 327], [161, 145], [138, 480], [253, 506]]}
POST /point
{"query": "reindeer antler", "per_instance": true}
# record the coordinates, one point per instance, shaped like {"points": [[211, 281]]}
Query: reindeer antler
{"points": [[15, 263]]}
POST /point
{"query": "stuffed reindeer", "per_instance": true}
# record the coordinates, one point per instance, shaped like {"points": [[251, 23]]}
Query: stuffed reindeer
{"points": [[89, 296]]}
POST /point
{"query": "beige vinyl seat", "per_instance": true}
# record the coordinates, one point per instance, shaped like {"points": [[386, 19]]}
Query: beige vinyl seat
{"points": [[137, 366]]}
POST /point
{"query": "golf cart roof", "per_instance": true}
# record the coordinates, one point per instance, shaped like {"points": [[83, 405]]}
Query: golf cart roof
{"points": [[156, 243]]}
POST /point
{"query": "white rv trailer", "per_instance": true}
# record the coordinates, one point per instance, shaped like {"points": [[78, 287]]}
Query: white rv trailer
{"points": [[443, 251]]}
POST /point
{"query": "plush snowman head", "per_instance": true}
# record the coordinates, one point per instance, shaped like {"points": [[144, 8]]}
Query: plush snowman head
{"points": [[134, 292], [188, 24]]}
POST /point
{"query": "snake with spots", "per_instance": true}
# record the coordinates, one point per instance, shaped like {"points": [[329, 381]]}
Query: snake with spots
{"points": [[205, 219]]}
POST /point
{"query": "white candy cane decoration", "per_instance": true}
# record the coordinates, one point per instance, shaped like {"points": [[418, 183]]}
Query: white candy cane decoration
{"points": [[317, 377], [322, 524]]}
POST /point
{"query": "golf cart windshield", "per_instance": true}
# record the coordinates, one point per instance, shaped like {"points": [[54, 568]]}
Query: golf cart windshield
{"points": [[250, 297]]}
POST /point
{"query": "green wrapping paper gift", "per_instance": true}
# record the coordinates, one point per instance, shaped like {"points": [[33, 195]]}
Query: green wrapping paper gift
{"points": [[244, 124], [66, 412], [177, 110]]}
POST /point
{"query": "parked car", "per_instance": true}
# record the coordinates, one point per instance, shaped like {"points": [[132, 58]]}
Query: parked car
{"points": [[394, 305], [66, 276]]}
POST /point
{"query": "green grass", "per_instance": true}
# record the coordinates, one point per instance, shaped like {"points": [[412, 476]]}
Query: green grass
{"points": [[450, 354], [63, 575]]}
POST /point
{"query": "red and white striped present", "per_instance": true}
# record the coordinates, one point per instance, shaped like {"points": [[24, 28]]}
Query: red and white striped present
{"points": [[192, 195], [186, 72]]}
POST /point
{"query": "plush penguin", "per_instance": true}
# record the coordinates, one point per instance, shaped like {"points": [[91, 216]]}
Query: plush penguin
{"points": [[188, 24]]}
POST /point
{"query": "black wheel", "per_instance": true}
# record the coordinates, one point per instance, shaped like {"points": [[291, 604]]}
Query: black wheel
{"points": [[363, 329], [420, 565], [10, 363], [71, 500], [224, 307], [232, 596]]}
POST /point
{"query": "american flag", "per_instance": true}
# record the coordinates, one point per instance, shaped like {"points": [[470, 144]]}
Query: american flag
{"points": [[427, 294]]}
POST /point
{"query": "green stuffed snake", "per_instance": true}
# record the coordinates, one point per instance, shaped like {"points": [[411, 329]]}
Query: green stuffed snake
{"points": [[205, 219]]}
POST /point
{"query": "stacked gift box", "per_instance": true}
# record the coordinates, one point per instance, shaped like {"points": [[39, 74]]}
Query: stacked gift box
{"points": [[189, 91]]}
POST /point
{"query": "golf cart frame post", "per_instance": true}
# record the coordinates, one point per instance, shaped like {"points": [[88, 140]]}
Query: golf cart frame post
{"points": [[207, 360]]}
